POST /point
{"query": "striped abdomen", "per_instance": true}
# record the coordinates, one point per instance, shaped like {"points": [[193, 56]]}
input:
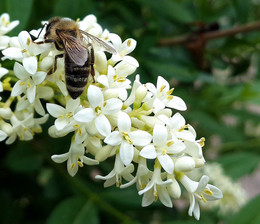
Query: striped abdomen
{"points": [[76, 77]]}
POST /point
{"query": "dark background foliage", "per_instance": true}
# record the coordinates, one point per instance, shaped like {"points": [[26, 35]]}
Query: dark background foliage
{"points": [[220, 84]]}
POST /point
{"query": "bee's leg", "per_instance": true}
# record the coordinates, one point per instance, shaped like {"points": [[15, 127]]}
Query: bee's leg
{"points": [[50, 41], [92, 61], [53, 69]]}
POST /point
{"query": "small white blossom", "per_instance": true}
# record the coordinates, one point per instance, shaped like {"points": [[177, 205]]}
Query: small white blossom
{"points": [[5, 24], [98, 110], [3, 71], [75, 158], [156, 188], [64, 115], [127, 138], [162, 148], [161, 96], [199, 191], [120, 171]]}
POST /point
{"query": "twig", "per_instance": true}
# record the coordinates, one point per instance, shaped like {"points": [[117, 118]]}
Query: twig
{"points": [[211, 35]]}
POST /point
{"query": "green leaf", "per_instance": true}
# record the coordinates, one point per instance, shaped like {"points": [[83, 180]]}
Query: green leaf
{"points": [[239, 164], [20, 10], [23, 158], [248, 214], [74, 210]]}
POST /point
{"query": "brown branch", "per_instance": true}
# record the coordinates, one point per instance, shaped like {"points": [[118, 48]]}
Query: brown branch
{"points": [[211, 35]]}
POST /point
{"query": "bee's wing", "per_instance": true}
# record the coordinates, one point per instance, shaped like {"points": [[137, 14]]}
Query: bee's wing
{"points": [[100, 42], [75, 49]]}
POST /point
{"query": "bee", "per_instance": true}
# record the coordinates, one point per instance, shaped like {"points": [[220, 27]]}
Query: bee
{"points": [[77, 50]]}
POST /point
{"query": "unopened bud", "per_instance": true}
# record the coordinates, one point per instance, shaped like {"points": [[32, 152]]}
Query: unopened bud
{"points": [[184, 164], [174, 189], [140, 94], [103, 153], [5, 113]]}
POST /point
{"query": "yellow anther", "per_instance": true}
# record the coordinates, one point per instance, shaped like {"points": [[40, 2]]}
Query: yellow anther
{"points": [[202, 141], [164, 151], [72, 166], [123, 53], [186, 126], [203, 198], [22, 83], [98, 111], [105, 103], [28, 41], [21, 137], [129, 43], [68, 115], [143, 185], [162, 88], [80, 164], [126, 137], [80, 131], [121, 79], [24, 50], [169, 92], [28, 84], [114, 76], [61, 116], [209, 192], [170, 143], [76, 126], [155, 194], [170, 97]]}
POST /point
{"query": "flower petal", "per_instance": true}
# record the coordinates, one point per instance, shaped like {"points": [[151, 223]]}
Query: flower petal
{"points": [[115, 138], [102, 125], [95, 96], [39, 77], [126, 152], [124, 122], [20, 72], [112, 106], [140, 138], [165, 197], [30, 93], [166, 163], [148, 152], [30, 64], [61, 123], [19, 88], [177, 103], [160, 135], [86, 115], [55, 110]]}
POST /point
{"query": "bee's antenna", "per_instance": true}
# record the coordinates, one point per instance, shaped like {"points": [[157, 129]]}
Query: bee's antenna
{"points": [[45, 24]]}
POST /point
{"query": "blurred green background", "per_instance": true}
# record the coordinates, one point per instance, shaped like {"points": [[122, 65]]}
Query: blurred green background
{"points": [[220, 84]]}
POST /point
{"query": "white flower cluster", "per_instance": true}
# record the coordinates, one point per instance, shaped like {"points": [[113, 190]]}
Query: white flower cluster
{"points": [[136, 128]]}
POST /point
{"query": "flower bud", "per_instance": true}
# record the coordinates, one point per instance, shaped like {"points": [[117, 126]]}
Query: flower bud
{"points": [[46, 63], [199, 162], [184, 164], [100, 61], [173, 189], [150, 121], [140, 94], [104, 153], [7, 128], [5, 113]]}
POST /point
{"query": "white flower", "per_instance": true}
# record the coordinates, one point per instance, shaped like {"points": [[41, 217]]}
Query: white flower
{"points": [[119, 171], [27, 82], [26, 52], [161, 96], [123, 49], [115, 82], [3, 135], [5, 24], [75, 158], [142, 177], [156, 188], [3, 71], [199, 191], [127, 138], [162, 148], [64, 115], [20, 128], [98, 110]]}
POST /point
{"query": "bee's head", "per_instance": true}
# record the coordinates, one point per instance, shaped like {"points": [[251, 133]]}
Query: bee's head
{"points": [[50, 25]]}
